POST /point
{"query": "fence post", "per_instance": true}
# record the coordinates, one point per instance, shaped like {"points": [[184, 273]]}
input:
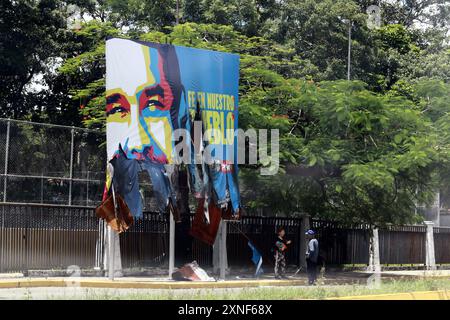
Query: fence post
{"points": [[2, 231], [8, 131], [374, 251], [25, 235], [87, 188], [8, 128], [42, 187], [302, 246], [72, 132], [216, 251], [429, 246], [99, 246]]}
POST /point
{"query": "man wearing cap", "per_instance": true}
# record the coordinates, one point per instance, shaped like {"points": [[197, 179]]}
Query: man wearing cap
{"points": [[312, 256]]}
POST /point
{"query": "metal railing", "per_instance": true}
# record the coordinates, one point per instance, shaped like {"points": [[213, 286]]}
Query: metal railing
{"points": [[34, 236], [55, 164], [40, 236]]}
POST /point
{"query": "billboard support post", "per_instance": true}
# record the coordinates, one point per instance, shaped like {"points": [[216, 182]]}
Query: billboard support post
{"points": [[171, 244], [223, 250], [111, 254]]}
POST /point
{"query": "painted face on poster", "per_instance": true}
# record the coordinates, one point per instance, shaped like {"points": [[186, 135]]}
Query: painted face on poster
{"points": [[139, 100]]}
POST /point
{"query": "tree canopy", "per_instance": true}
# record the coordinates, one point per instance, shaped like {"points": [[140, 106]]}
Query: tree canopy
{"points": [[368, 150]]}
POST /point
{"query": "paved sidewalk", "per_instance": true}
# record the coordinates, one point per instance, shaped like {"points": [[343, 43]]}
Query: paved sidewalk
{"points": [[16, 286], [152, 283], [232, 281]]}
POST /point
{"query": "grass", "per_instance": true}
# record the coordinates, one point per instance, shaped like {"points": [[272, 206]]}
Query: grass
{"points": [[269, 293]]}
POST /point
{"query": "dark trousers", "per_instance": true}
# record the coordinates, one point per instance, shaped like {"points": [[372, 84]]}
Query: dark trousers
{"points": [[311, 269]]}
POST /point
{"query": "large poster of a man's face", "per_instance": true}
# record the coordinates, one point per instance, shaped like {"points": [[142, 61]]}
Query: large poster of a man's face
{"points": [[151, 91], [152, 88], [143, 96]]}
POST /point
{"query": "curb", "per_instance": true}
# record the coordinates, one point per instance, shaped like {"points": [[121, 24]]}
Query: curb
{"points": [[122, 284]]}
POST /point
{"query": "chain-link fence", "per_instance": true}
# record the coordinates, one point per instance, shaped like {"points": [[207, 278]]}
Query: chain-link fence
{"points": [[54, 164], [51, 164]]}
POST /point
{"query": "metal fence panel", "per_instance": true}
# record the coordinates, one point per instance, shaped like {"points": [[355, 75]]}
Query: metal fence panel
{"points": [[442, 245], [340, 244], [46, 237], [146, 243], [51, 164], [86, 193], [262, 232], [35, 236], [89, 155], [36, 150], [402, 245]]}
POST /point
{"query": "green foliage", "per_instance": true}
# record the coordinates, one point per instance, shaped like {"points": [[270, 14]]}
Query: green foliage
{"points": [[30, 31], [364, 150], [395, 36], [363, 156]]}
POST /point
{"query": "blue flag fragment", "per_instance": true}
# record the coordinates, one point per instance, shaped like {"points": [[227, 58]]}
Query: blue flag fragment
{"points": [[256, 259]]}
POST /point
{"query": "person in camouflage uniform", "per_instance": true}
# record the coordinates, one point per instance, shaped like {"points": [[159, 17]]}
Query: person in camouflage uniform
{"points": [[280, 248]]}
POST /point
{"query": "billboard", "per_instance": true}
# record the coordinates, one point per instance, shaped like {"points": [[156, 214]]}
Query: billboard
{"points": [[153, 89]]}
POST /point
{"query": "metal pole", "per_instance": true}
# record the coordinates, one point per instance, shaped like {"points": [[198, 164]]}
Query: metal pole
{"points": [[71, 165], [350, 23], [223, 250], [8, 130], [98, 246], [87, 189], [2, 259], [112, 242], [25, 256], [111, 254], [42, 188], [13, 175], [171, 244], [52, 125]]}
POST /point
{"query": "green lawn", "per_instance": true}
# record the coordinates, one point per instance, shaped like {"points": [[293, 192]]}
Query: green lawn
{"points": [[278, 293]]}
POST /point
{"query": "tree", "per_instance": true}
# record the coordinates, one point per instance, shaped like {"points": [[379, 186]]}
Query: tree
{"points": [[30, 32], [318, 31], [365, 150], [434, 13], [359, 155], [241, 14], [86, 70], [193, 11]]}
